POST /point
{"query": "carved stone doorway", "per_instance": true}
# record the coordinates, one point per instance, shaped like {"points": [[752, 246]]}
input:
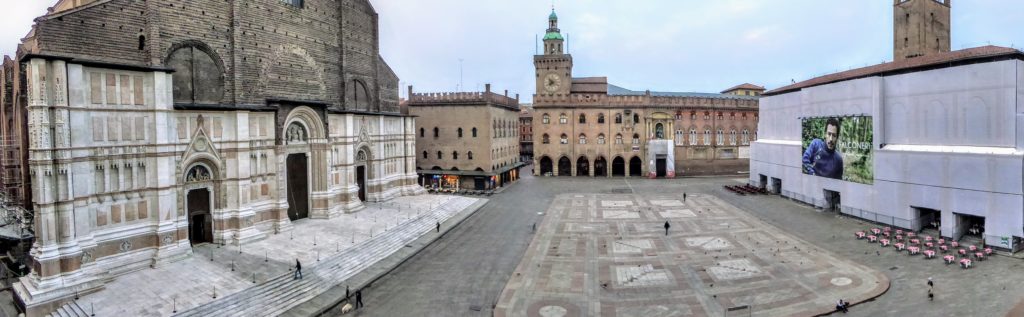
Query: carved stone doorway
{"points": [[361, 182], [200, 221]]}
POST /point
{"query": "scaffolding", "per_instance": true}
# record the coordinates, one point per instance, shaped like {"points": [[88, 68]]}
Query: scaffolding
{"points": [[11, 182]]}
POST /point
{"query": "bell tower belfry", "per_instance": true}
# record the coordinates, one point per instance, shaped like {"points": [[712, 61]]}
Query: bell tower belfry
{"points": [[920, 27], [553, 66]]}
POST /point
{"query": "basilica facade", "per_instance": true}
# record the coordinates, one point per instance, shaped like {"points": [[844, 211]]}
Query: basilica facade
{"points": [[156, 125], [589, 127]]}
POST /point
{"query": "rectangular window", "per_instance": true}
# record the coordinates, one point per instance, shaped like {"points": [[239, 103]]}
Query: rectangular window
{"points": [[294, 3], [95, 88], [126, 92], [140, 99], [97, 129], [140, 128], [111, 90]]}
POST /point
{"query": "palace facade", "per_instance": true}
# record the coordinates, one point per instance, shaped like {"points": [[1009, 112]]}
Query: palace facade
{"points": [[152, 126], [588, 127]]}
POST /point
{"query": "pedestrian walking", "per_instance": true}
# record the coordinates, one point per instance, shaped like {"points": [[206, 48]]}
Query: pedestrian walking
{"points": [[666, 227], [298, 270], [931, 296], [346, 293], [438, 226], [930, 284], [684, 197], [359, 299]]}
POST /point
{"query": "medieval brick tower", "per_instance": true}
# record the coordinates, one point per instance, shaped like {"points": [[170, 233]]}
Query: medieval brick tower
{"points": [[554, 67], [920, 27]]}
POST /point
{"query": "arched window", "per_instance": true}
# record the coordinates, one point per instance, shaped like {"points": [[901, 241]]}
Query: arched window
{"points": [[693, 136], [720, 138], [563, 119], [455, 155], [636, 118], [437, 132], [460, 132], [707, 115], [680, 137], [746, 137], [618, 139], [564, 139], [545, 119], [439, 155], [583, 138], [693, 115], [583, 118], [424, 154], [198, 78], [720, 117], [707, 137], [545, 139], [600, 118], [422, 132], [732, 137], [469, 155], [618, 118], [600, 138], [636, 138]]}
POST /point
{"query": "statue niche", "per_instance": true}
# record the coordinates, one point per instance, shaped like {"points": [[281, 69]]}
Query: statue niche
{"points": [[198, 173], [296, 133]]}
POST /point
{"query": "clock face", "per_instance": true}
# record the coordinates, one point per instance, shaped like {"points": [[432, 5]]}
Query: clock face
{"points": [[552, 82]]}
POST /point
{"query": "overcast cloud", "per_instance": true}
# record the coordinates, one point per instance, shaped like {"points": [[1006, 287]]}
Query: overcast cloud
{"points": [[665, 45]]}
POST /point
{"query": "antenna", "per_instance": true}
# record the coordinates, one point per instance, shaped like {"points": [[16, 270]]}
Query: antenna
{"points": [[460, 75], [567, 43], [536, 44]]}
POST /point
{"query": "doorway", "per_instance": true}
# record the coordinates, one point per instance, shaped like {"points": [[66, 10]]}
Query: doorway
{"points": [[928, 218], [545, 166], [618, 167], [832, 200], [564, 167], [582, 166], [776, 186], [659, 165], [762, 181], [634, 166], [200, 221], [361, 181], [968, 226], [298, 186], [600, 167]]}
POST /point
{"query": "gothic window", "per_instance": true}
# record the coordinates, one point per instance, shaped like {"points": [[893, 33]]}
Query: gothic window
{"points": [[636, 118], [746, 137], [600, 138], [439, 155], [424, 154], [600, 118], [564, 139], [421, 132], [469, 155], [563, 119], [636, 138], [707, 115], [693, 136], [583, 118], [460, 132], [618, 139], [732, 116], [732, 137], [437, 132], [545, 139], [720, 117], [707, 137], [618, 118], [719, 137], [296, 133], [197, 77], [583, 138], [693, 115], [455, 155], [545, 119], [680, 138], [473, 131]]}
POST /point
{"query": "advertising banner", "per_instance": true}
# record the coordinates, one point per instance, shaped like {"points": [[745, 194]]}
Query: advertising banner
{"points": [[839, 148]]}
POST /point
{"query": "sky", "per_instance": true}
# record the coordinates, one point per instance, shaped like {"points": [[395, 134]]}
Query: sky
{"points": [[660, 45]]}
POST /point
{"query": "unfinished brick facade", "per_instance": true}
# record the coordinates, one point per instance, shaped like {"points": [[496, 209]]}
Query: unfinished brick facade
{"points": [[154, 125]]}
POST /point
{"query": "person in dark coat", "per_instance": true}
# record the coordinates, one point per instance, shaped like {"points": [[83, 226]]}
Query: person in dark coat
{"points": [[359, 299], [666, 227], [298, 270]]}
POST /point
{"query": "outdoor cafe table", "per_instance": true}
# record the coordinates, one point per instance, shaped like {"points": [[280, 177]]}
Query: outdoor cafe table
{"points": [[885, 242], [944, 248], [979, 255], [942, 241], [954, 244], [929, 244], [899, 246], [876, 231], [928, 238], [949, 259], [872, 238], [965, 263], [915, 241], [929, 254], [962, 251], [914, 250], [972, 248], [859, 234], [988, 251]]}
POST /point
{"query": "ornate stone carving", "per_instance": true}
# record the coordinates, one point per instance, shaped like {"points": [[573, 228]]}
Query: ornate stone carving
{"points": [[296, 133], [86, 257], [198, 173], [125, 246], [201, 145], [168, 239]]}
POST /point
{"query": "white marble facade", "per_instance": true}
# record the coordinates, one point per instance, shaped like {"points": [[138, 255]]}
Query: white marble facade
{"points": [[112, 163]]}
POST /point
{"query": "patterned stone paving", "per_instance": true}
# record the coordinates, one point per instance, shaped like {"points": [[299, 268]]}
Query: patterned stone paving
{"points": [[608, 255]]}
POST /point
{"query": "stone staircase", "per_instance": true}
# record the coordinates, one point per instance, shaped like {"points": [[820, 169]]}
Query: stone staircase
{"points": [[280, 293], [71, 309]]}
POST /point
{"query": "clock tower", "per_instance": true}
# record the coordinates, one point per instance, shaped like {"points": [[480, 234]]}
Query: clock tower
{"points": [[553, 67]]}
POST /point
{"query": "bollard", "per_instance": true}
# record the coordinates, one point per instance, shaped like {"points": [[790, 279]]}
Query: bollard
{"points": [[215, 292], [239, 247], [265, 256], [314, 240], [254, 278], [318, 256], [92, 309], [174, 306], [232, 265], [211, 255]]}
